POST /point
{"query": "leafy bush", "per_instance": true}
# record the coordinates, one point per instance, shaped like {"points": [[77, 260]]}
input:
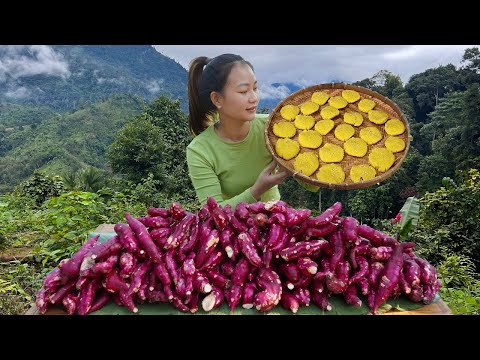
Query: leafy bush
{"points": [[449, 219], [40, 187]]}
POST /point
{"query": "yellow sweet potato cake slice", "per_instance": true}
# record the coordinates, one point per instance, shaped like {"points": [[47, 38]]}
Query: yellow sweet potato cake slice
{"points": [[304, 122], [395, 144], [331, 153], [356, 147], [362, 172], [370, 134], [324, 126], [366, 105], [377, 116], [329, 112], [353, 118], [309, 107], [306, 163], [331, 173], [381, 159], [287, 148], [394, 127], [288, 112], [320, 97], [338, 102], [311, 139], [344, 132], [284, 129], [350, 95]]}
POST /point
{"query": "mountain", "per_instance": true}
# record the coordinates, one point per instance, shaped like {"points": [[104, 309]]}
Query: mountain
{"points": [[65, 142], [64, 76], [275, 93]]}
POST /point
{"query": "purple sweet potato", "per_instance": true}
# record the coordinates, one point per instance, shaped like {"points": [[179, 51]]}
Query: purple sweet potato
{"points": [[327, 216], [240, 272], [144, 239], [220, 218], [248, 294], [158, 212], [381, 253], [271, 290], [276, 206], [154, 222], [57, 297], [307, 266], [412, 271], [278, 218], [181, 232], [106, 266], [261, 220], [427, 271], [71, 268], [248, 249], [86, 296], [54, 280], [126, 237], [349, 230], [303, 295], [137, 276], [295, 217], [42, 301], [302, 249], [377, 238], [81, 281], [226, 241], [176, 211], [113, 283], [171, 265], [70, 303], [218, 279], [275, 235], [321, 231], [338, 246], [193, 237], [321, 299], [213, 300], [241, 210], [351, 296], [102, 298], [289, 301], [337, 281], [127, 263], [390, 275], [362, 272], [162, 274], [232, 296], [201, 283]]}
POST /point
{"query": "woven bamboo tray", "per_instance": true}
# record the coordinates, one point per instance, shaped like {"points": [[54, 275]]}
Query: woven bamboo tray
{"points": [[333, 89]]}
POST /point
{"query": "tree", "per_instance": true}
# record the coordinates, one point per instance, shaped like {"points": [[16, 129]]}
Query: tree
{"points": [[155, 142]]}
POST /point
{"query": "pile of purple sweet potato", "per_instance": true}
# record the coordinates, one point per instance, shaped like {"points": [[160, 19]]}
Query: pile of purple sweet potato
{"points": [[256, 255]]}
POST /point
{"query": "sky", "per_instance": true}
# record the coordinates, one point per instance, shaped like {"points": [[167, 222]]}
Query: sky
{"points": [[308, 65]]}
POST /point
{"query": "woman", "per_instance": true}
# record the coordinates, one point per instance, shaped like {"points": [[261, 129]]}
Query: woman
{"points": [[228, 159]]}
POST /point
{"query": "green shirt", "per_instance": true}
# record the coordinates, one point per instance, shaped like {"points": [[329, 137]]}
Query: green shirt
{"points": [[226, 171]]}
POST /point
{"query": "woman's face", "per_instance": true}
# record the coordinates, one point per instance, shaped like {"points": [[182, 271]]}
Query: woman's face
{"points": [[239, 99]]}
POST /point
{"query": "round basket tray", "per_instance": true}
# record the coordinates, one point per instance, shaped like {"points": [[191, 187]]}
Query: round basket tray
{"points": [[335, 89]]}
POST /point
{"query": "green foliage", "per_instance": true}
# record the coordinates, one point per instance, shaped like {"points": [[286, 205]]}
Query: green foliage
{"points": [[155, 142], [40, 187], [409, 220], [18, 286], [460, 284], [449, 220]]}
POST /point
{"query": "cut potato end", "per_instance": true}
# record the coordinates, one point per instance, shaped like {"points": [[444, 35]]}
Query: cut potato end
{"points": [[304, 122], [362, 172], [381, 159], [309, 108], [371, 135], [356, 147], [329, 112], [366, 105], [394, 127], [353, 118], [306, 163], [284, 129], [287, 148], [324, 126], [338, 102], [320, 97], [377, 116], [344, 132], [288, 112], [350, 95], [311, 139], [331, 153], [394, 144], [331, 173]]}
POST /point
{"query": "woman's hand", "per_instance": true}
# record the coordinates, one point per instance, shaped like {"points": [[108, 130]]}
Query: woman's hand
{"points": [[268, 178]]}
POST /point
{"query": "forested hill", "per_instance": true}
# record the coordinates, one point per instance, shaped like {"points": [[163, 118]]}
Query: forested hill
{"points": [[64, 76], [65, 142]]}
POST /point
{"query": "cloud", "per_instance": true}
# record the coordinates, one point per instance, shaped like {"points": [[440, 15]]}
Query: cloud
{"points": [[318, 64], [154, 86], [273, 92], [17, 61], [18, 93]]}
